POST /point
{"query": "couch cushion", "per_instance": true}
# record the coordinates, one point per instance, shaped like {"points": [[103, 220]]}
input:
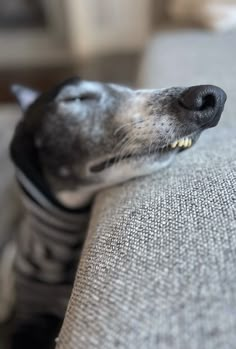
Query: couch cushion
{"points": [[158, 267]]}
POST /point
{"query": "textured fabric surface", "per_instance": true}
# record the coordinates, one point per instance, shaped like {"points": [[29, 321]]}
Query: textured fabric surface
{"points": [[158, 267]]}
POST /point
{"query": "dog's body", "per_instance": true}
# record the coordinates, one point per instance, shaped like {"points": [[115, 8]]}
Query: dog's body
{"points": [[73, 141]]}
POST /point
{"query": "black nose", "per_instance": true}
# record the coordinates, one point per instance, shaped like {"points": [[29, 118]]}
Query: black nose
{"points": [[206, 102]]}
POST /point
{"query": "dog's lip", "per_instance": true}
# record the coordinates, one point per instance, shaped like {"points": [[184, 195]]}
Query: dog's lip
{"points": [[109, 162], [179, 144]]}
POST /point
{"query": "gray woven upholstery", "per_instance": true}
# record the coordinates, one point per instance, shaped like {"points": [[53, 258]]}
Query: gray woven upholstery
{"points": [[158, 267], [159, 262]]}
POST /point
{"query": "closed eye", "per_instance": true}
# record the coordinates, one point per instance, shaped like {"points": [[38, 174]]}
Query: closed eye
{"points": [[83, 97]]}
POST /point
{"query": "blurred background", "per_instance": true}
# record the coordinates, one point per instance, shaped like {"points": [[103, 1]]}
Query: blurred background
{"points": [[43, 41]]}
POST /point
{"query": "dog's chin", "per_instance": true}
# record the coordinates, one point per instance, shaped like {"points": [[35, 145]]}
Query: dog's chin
{"points": [[117, 173]]}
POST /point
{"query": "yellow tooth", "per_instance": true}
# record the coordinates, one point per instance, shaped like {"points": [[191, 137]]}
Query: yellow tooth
{"points": [[174, 144], [181, 142], [189, 143], [186, 142]]}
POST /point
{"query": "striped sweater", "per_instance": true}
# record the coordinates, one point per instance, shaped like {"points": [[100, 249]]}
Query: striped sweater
{"points": [[48, 249]]}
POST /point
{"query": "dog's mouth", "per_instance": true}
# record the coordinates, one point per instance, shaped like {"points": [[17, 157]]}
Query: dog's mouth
{"points": [[179, 145]]}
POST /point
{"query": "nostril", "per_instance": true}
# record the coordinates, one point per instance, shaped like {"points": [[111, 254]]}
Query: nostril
{"points": [[208, 101]]}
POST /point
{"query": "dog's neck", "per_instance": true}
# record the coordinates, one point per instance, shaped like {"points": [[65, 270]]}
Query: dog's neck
{"points": [[80, 197]]}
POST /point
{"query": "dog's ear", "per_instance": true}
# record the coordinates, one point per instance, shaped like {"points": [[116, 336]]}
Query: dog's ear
{"points": [[24, 95]]}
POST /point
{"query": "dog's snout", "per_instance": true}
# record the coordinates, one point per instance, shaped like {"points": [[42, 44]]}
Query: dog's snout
{"points": [[206, 102]]}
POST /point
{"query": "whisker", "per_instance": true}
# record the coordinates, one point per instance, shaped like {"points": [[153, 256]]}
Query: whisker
{"points": [[120, 144], [125, 148], [132, 123]]}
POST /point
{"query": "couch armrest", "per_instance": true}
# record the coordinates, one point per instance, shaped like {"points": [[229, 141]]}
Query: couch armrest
{"points": [[158, 266]]}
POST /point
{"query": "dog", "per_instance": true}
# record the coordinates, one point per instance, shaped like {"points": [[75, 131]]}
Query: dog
{"points": [[73, 141]]}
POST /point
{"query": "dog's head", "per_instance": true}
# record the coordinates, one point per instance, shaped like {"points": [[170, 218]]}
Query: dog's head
{"points": [[90, 135]]}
